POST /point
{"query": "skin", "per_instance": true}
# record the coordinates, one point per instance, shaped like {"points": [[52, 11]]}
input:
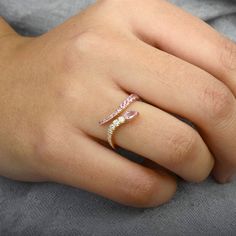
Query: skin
{"points": [[56, 87]]}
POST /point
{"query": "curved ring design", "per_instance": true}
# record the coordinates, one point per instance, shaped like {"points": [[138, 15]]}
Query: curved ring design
{"points": [[128, 116], [130, 99]]}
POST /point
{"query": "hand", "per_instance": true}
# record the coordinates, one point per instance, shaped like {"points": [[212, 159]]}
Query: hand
{"points": [[55, 88]]}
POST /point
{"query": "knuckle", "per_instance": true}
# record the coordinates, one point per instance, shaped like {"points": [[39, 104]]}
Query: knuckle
{"points": [[217, 102], [87, 41], [181, 145], [228, 55], [85, 47], [142, 190]]}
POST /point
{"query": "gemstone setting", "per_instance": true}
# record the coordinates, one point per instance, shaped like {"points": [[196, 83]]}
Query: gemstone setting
{"points": [[129, 115]]}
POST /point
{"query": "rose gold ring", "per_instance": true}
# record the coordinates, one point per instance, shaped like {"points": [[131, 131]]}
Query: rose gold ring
{"points": [[130, 99], [128, 116]]}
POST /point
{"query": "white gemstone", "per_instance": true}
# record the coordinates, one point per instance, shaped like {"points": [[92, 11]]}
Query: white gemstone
{"points": [[121, 119], [116, 122], [112, 126]]}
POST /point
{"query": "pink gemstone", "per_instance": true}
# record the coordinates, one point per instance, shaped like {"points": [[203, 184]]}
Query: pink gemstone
{"points": [[130, 115]]}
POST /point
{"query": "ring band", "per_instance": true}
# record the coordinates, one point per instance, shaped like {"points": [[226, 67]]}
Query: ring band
{"points": [[128, 116], [130, 99]]}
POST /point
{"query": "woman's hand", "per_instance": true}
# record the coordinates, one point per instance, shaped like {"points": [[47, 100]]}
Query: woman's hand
{"points": [[55, 88]]}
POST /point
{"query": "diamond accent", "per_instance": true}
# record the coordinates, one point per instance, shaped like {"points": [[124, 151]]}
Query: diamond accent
{"points": [[116, 123], [128, 116], [121, 119]]}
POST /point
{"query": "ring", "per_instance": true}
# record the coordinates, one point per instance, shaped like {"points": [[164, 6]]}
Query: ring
{"points": [[128, 116], [130, 99]]}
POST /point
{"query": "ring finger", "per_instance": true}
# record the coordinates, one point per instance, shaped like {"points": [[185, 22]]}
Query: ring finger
{"points": [[155, 135]]}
